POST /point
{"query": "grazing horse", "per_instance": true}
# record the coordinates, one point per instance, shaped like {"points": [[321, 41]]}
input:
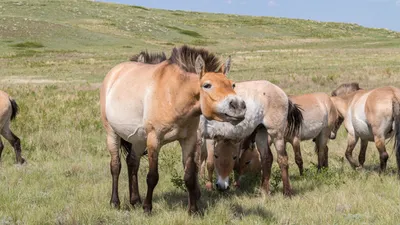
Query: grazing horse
{"points": [[369, 115], [8, 112], [269, 112], [145, 106]]}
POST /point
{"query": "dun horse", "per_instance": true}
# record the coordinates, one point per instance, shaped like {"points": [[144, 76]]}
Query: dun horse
{"points": [[269, 112], [8, 112], [369, 115], [145, 106]]}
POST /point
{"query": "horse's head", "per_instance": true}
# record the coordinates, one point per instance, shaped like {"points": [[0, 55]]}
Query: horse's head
{"points": [[249, 162], [217, 96], [226, 153], [338, 123]]}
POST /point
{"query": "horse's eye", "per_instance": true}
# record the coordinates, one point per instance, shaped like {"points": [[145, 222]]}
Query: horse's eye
{"points": [[215, 156], [234, 157], [207, 86], [233, 86], [248, 162]]}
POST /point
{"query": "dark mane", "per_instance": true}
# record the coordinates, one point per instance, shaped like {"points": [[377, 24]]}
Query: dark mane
{"points": [[346, 88], [185, 58], [149, 58]]}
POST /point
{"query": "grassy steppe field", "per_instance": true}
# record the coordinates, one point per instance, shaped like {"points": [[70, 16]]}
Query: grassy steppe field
{"points": [[55, 53]]}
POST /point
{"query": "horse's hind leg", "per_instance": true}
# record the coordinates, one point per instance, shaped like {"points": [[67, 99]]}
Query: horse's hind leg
{"points": [[283, 162], [113, 145], [363, 149], [266, 157], [133, 163], [351, 144], [14, 141], [297, 154], [383, 155]]}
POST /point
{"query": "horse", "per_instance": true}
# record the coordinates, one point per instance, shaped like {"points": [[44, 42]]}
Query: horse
{"points": [[8, 112], [320, 123], [269, 113], [145, 106], [369, 115]]}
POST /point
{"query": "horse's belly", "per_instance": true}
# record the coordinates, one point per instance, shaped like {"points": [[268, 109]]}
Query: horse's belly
{"points": [[310, 130], [126, 118]]}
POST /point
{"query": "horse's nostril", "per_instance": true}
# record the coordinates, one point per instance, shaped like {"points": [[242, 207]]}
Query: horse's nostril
{"points": [[233, 104], [217, 185]]}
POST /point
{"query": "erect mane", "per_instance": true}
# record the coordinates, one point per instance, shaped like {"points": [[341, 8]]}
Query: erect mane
{"points": [[346, 88], [185, 58], [149, 58]]}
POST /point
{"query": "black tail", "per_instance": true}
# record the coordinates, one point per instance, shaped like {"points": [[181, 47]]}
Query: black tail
{"points": [[396, 116], [127, 147], [295, 119], [14, 108]]}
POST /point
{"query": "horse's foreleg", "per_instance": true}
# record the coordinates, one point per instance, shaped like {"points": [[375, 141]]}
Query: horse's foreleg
{"points": [[266, 158], [189, 158], [383, 156], [351, 144], [363, 150], [15, 142], [153, 148], [113, 144], [209, 163], [297, 155], [282, 158], [133, 163]]}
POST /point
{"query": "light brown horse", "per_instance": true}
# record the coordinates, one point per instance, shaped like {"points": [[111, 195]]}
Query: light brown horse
{"points": [[269, 112], [150, 105], [8, 112], [320, 118], [369, 115]]}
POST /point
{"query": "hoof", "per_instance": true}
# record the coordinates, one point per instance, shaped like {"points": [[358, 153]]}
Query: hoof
{"points": [[147, 209]]}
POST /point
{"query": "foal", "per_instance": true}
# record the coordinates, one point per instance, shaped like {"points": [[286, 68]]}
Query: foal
{"points": [[8, 112], [150, 105], [369, 115]]}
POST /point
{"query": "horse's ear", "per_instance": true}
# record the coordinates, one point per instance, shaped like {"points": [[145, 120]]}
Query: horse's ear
{"points": [[199, 66], [227, 66]]}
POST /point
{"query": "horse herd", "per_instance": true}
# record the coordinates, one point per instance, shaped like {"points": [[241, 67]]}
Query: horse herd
{"points": [[153, 100]]}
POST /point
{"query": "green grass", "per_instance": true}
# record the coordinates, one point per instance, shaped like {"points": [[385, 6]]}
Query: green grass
{"points": [[67, 178]]}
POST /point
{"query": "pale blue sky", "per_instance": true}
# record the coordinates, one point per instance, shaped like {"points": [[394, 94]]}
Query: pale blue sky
{"points": [[370, 13]]}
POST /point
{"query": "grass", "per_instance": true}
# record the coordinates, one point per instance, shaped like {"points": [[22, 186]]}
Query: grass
{"points": [[67, 178], [28, 44]]}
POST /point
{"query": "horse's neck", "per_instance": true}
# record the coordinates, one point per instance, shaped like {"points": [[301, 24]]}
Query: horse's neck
{"points": [[342, 103], [190, 92]]}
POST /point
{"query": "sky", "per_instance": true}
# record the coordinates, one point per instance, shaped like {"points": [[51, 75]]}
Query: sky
{"points": [[369, 13]]}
